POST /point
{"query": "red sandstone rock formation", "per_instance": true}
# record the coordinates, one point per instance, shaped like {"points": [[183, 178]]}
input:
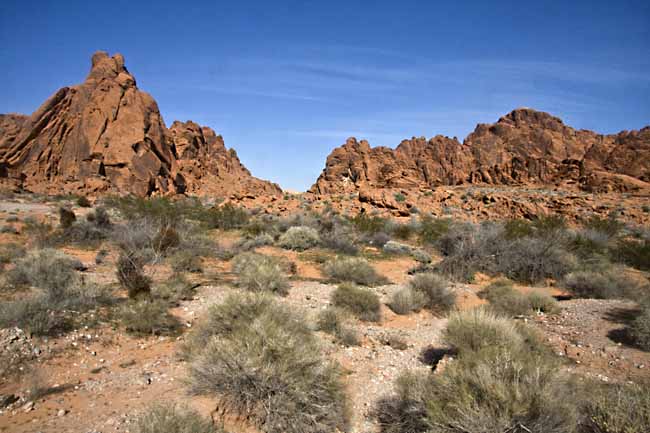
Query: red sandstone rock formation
{"points": [[523, 147], [107, 135]]}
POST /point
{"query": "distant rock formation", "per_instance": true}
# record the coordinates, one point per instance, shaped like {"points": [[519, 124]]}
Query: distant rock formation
{"points": [[107, 135], [525, 147]]}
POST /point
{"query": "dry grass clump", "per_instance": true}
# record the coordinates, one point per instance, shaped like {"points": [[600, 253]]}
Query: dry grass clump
{"points": [[607, 282], [147, 317], [501, 381], [334, 321], [439, 297], [264, 362], [504, 299], [167, 418], [361, 302], [260, 273], [407, 300], [352, 269], [617, 408], [299, 238]]}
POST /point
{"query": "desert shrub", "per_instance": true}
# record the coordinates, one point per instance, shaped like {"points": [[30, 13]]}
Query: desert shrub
{"points": [[617, 408], [174, 290], [609, 226], [66, 217], [403, 231], [639, 329], [378, 239], [431, 229], [517, 228], [260, 240], [633, 252], [497, 392], [467, 250], [299, 238], [532, 260], [407, 300], [421, 256], [9, 229], [264, 362], [165, 239], [186, 261], [10, 252], [399, 197], [333, 321], [602, 283], [392, 247], [33, 315], [147, 317], [101, 256], [369, 224], [257, 272], [339, 237], [99, 217], [504, 299], [438, 295], [83, 201], [226, 217], [352, 269], [130, 274], [363, 303], [159, 210], [40, 233], [12, 219], [47, 269], [477, 329], [166, 418]]}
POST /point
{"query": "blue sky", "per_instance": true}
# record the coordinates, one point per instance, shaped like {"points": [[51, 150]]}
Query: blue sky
{"points": [[286, 81]]}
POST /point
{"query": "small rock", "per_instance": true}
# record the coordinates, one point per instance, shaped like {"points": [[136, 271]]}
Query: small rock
{"points": [[61, 413]]}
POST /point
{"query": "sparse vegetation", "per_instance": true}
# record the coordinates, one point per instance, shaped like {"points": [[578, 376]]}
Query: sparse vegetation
{"points": [[640, 328], [333, 321], [186, 261], [47, 269], [504, 299], [130, 274], [407, 300], [147, 317], [617, 408], [263, 361], [361, 302], [352, 269], [603, 283]]}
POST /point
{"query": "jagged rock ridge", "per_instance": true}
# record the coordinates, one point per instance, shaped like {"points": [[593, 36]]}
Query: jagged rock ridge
{"points": [[107, 135], [523, 147]]}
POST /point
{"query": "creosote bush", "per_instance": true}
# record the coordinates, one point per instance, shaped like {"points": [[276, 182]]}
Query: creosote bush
{"points": [[361, 302], [166, 418], [437, 294], [352, 269], [299, 238], [260, 273], [264, 362]]}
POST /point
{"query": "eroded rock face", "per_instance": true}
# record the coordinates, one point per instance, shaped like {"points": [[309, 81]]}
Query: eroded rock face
{"points": [[208, 168], [107, 135], [523, 147]]}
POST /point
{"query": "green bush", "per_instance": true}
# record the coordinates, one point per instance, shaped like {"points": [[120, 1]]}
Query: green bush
{"points": [[166, 418], [299, 238], [407, 300], [258, 273], [66, 217], [369, 224], [147, 317], [633, 252], [432, 229], [435, 290], [363, 303], [82, 201], [227, 217], [399, 197], [352, 269], [262, 361]]}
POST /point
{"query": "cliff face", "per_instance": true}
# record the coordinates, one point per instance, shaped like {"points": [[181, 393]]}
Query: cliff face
{"points": [[208, 168], [107, 135], [523, 147]]}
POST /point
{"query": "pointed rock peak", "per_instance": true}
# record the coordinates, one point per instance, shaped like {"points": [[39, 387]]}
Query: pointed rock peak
{"points": [[107, 67]]}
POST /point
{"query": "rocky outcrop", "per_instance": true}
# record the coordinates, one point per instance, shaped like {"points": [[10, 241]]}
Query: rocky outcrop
{"points": [[523, 147], [208, 168], [107, 135]]}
